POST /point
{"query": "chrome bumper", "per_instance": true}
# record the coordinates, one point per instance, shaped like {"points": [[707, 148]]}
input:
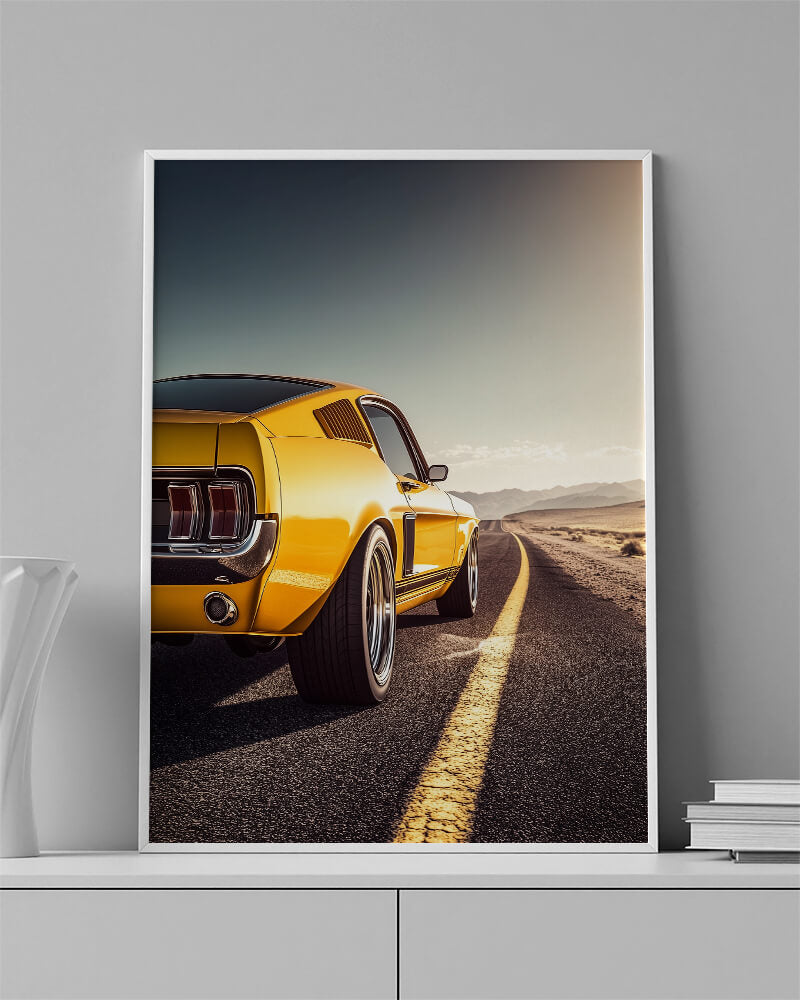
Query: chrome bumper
{"points": [[188, 563]]}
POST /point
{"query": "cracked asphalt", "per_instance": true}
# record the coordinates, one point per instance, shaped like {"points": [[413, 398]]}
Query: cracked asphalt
{"points": [[237, 757]]}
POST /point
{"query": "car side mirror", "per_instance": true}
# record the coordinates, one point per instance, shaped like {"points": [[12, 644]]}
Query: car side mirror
{"points": [[437, 473]]}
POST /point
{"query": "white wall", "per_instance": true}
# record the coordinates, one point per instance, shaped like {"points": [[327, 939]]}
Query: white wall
{"points": [[712, 88]]}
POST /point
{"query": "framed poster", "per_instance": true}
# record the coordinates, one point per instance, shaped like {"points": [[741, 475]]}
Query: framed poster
{"points": [[398, 512]]}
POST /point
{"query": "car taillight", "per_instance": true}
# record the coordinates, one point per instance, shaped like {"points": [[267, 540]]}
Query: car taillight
{"points": [[185, 510], [227, 510]]}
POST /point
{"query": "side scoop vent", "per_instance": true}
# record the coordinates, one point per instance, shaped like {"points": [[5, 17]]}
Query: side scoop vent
{"points": [[341, 420]]}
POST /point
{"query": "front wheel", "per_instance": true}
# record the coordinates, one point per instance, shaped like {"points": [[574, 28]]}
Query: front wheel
{"points": [[345, 656], [461, 599]]}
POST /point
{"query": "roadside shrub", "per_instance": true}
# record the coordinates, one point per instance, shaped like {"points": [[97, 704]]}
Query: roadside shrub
{"points": [[631, 548]]}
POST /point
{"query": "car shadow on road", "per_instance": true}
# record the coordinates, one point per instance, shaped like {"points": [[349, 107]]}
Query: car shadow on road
{"points": [[205, 672], [235, 726], [416, 621], [198, 706]]}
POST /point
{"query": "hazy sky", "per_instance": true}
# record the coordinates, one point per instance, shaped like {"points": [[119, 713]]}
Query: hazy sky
{"points": [[498, 303]]}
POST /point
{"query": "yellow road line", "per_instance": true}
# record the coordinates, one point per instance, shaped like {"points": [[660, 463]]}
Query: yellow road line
{"points": [[442, 807]]}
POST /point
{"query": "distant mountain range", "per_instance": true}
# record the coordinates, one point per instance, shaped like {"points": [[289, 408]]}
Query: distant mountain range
{"points": [[490, 506]]}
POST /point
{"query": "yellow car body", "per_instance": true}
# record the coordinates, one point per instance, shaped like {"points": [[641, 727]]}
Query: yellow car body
{"points": [[308, 478]]}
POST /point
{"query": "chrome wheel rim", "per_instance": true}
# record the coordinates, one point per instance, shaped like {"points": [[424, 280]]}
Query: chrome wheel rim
{"points": [[472, 572], [380, 613]]}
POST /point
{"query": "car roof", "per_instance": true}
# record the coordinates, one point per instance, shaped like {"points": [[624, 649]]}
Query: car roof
{"points": [[326, 383], [250, 402]]}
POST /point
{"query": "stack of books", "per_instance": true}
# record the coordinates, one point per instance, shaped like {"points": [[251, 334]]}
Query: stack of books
{"points": [[754, 820]]}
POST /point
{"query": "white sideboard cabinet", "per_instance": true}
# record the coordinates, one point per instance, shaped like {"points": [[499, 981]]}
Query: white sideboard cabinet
{"points": [[279, 927]]}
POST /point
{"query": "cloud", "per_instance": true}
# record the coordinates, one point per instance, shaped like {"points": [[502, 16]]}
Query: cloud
{"points": [[615, 451], [517, 451]]}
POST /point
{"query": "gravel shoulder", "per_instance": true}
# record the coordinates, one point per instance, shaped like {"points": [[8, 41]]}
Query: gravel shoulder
{"points": [[607, 574]]}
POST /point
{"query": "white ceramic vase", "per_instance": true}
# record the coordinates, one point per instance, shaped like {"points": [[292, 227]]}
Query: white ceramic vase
{"points": [[34, 594]]}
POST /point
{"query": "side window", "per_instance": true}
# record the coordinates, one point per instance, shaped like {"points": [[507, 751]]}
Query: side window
{"points": [[392, 442]]}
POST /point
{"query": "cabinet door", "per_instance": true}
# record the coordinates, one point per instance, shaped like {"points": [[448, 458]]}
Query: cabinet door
{"points": [[198, 944], [620, 944]]}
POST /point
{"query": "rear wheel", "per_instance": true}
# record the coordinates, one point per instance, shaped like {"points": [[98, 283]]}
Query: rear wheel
{"points": [[346, 654], [461, 598]]}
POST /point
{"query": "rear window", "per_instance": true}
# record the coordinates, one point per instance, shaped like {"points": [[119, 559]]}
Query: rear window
{"points": [[229, 393]]}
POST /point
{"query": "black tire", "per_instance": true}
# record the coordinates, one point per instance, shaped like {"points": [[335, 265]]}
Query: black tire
{"points": [[345, 656], [461, 598]]}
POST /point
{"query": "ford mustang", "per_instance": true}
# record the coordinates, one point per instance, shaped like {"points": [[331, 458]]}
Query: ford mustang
{"points": [[288, 508]]}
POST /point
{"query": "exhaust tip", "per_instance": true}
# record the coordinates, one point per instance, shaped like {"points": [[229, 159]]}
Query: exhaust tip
{"points": [[220, 609]]}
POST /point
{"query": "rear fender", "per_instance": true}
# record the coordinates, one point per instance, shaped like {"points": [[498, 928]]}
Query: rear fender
{"points": [[331, 492], [249, 444]]}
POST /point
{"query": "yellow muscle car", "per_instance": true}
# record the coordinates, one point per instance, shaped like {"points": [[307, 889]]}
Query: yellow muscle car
{"points": [[305, 510]]}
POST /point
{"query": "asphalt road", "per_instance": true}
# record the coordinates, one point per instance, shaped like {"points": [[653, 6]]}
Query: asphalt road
{"points": [[236, 756]]}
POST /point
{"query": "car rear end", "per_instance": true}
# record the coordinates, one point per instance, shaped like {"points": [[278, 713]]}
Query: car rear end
{"points": [[215, 518]]}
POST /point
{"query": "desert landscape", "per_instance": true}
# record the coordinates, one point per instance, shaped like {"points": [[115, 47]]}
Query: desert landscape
{"points": [[602, 548], [499, 503]]}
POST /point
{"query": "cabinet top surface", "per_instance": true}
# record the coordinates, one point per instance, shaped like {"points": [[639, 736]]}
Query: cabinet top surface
{"points": [[674, 870]]}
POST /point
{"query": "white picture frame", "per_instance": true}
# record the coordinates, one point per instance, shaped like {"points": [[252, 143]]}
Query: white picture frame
{"points": [[391, 851]]}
